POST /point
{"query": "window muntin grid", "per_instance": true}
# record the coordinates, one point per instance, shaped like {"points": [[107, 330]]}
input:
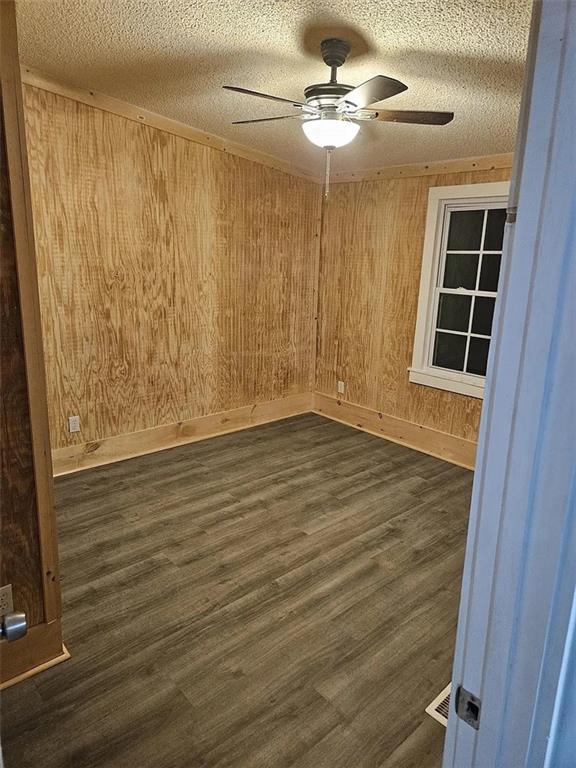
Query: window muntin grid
{"points": [[461, 333]]}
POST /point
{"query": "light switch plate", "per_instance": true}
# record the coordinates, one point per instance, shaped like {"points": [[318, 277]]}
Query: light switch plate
{"points": [[6, 601], [74, 423]]}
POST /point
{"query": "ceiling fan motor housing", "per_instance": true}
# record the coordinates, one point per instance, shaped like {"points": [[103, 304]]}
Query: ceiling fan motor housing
{"points": [[334, 51], [326, 95]]}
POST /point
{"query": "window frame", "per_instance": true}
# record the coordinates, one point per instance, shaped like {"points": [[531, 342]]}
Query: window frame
{"points": [[440, 201]]}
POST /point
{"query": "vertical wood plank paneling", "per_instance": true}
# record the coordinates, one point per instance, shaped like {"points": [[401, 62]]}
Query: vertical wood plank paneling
{"points": [[175, 279], [372, 240]]}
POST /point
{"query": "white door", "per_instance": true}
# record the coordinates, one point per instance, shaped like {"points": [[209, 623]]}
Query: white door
{"points": [[514, 642]]}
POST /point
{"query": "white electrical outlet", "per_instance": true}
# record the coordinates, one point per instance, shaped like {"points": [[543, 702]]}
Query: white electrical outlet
{"points": [[341, 387], [6, 602], [74, 423]]}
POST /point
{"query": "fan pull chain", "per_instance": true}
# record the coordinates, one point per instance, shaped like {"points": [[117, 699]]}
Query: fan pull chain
{"points": [[328, 164]]}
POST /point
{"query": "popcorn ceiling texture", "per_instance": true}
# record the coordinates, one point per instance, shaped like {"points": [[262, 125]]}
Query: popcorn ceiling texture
{"points": [[173, 56]]}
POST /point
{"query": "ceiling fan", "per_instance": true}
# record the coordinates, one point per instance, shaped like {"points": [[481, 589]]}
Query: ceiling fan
{"points": [[332, 112]]}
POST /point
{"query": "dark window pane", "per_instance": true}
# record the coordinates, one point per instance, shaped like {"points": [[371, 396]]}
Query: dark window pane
{"points": [[483, 314], [477, 356], [495, 229], [454, 312], [490, 272], [460, 270], [465, 230], [449, 351]]}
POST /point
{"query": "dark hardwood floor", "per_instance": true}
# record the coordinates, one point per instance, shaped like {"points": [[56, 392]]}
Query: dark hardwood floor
{"points": [[283, 596]]}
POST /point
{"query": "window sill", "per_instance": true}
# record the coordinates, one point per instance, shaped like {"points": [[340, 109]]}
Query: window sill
{"points": [[460, 383]]}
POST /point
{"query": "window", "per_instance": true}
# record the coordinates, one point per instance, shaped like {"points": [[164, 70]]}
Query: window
{"points": [[458, 286]]}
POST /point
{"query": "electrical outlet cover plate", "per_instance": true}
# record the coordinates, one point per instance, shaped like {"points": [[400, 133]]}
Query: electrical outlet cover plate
{"points": [[74, 423], [341, 387], [6, 602]]}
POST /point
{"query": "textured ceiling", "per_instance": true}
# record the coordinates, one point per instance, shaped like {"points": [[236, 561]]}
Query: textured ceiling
{"points": [[173, 56]]}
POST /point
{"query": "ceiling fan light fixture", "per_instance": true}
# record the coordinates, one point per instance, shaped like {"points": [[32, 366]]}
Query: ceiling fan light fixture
{"points": [[330, 132], [333, 111]]}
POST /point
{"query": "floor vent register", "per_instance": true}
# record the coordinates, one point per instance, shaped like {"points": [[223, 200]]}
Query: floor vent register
{"points": [[440, 707]]}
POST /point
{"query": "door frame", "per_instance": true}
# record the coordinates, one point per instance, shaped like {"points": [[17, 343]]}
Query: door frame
{"points": [[42, 644]]}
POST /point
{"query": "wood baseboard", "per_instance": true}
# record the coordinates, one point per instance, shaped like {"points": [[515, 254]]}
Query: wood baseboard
{"points": [[456, 450], [85, 455], [40, 649], [108, 450]]}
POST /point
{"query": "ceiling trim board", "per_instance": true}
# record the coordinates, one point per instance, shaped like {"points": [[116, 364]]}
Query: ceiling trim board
{"points": [[129, 111], [460, 165]]}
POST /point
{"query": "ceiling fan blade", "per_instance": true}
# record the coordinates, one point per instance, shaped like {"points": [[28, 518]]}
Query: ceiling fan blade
{"points": [[376, 89], [266, 119], [410, 116], [301, 104]]}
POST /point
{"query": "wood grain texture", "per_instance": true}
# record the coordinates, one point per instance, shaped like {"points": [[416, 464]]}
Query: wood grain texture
{"points": [[64, 655], [85, 455], [434, 168], [174, 278], [40, 649], [372, 241], [19, 540], [282, 596], [456, 450], [144, 116], [28, 545]]}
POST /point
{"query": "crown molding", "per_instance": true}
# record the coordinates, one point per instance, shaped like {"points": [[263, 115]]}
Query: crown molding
{"points": [[461, 165], [137, 114]]}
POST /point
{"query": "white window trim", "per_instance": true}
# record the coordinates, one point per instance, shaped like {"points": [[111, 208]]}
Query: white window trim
{"points": [[439, 198]]}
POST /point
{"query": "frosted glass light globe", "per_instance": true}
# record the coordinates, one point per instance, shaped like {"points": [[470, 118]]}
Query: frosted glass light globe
{"points": [[330, 132]]}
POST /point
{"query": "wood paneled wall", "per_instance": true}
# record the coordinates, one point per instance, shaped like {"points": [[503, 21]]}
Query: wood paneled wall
{"points": [[372, 241], [176, 280]]}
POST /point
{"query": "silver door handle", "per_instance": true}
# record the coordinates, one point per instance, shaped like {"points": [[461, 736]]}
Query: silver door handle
{"points": [[13, 626]]}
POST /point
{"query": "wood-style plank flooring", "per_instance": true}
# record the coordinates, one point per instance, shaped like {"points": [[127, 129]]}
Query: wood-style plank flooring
{"points": [[283, 596]]}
